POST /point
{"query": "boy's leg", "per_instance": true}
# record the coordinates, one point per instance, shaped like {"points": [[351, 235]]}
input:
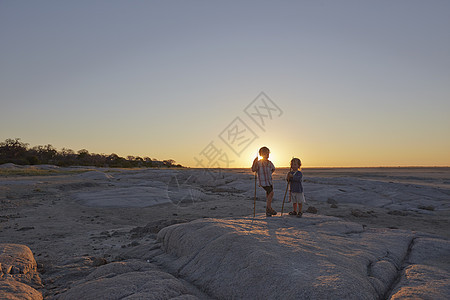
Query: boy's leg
{"points": [[269, 208], [300, 205], [269, 200], [294, 201], [269, 195]]}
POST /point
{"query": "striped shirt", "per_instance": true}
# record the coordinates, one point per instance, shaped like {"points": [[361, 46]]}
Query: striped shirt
{"points": [[264, 168]]}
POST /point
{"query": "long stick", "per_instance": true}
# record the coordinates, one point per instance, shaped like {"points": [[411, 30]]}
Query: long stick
{"points": [[282, 206], [254, 199]]}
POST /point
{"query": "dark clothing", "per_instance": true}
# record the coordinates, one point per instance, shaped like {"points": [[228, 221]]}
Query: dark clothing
{"points": [[268, 189], [296, 182]]}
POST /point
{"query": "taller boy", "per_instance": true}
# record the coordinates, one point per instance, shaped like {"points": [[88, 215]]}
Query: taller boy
{"points": [[264, 168]]}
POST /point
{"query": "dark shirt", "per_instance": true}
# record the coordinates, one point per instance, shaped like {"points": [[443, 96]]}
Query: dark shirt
{"points": [[296, 182]]}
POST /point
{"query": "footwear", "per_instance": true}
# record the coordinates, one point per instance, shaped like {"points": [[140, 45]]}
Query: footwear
{"points": [[300, 214], [268, 214], [273, 212], [293, 213]]}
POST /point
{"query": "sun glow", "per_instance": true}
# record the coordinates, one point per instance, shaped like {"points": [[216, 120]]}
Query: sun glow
{"points": [[272, 157]]}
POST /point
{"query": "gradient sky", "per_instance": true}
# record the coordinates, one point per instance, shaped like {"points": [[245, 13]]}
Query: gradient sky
{"points": [[357, 83]]}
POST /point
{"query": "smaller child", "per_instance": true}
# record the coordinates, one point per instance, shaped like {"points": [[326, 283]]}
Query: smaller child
{"points": [[295, 177]]}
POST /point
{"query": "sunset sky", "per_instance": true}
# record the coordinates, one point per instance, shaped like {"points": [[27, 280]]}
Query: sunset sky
{"points": [[206, 83]]}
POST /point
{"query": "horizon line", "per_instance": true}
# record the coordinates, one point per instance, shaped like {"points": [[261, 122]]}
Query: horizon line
{"points": [[331, 167]]}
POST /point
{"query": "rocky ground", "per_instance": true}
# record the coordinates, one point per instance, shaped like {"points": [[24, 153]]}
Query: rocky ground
{"points": [[377, 233]]}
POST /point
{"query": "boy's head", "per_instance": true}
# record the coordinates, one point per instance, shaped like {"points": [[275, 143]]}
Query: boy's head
{"points": [[264, 152], [295, 163]]}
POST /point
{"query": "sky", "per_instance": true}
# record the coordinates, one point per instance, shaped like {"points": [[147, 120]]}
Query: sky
{"points": [[207, 83]]}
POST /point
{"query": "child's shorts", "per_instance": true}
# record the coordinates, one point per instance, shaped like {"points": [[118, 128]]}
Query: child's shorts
{"points": [[268, 189], [298, 198]]}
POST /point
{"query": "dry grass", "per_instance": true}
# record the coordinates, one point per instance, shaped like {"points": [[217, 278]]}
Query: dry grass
{"points": [[37, 172]]}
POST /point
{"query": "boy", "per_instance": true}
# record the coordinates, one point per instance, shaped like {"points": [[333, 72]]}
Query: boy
{"points": [[264, 168], [295, 177]]}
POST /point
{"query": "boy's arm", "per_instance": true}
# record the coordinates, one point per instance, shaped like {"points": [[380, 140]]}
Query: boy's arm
{"points": [[288, 176], [255, 165]]}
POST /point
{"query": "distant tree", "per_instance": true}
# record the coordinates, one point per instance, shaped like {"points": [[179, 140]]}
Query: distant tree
{"points": [[168, 163], [113, 156], [49, 153], [15, 151], [67, 152], [148, 162], [66, 157], [13, 144], [33, 160], [83, 153]]}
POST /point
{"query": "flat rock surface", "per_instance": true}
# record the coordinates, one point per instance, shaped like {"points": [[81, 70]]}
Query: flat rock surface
{"points": [[315, 257], [79, 220]]}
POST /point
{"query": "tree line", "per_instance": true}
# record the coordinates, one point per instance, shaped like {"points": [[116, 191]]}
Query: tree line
{"points": [[20, 153]]}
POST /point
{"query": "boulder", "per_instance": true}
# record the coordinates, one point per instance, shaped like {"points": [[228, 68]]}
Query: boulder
{"points": [[426, 275], [18, 273], [398, 213], [316, 257], [17, 262], [331, 201], [359, 214], [312, 210], [14, 290], [423, 282], [128, 280]]}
